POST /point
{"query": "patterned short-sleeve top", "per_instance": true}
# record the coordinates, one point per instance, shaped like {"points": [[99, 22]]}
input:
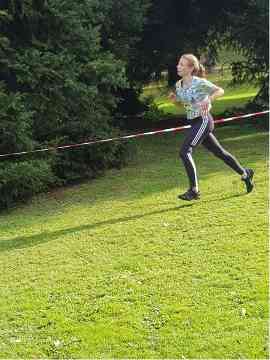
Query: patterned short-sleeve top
{"points": [[199, 89]]}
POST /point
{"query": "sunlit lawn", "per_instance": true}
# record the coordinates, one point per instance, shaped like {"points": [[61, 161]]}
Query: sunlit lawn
{"points": [[120, 268], [234, 97]]}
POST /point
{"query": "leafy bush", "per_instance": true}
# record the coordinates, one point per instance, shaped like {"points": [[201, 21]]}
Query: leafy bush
{"points": [[21, 180], [153, 112]]}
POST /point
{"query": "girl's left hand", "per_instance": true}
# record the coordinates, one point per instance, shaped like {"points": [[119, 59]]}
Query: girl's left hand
{"points": [[204, 106]]}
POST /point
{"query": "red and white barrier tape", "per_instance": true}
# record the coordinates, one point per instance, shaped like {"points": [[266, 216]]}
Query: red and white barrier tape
{"points": [[129, 136]]}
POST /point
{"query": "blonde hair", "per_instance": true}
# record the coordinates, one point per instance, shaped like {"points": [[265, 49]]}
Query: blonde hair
{"points": [[199, 69]]}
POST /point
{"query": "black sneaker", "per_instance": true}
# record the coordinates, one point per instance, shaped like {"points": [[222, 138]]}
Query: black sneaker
{"points": [[248, 180], [190, 195]]}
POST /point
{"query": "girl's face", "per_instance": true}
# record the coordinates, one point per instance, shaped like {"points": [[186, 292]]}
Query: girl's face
{"points": [[184, 68]]}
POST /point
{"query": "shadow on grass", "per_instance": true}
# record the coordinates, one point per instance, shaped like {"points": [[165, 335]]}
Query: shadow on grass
{"points": [[157, 169], [29, 241], [228, 197]]}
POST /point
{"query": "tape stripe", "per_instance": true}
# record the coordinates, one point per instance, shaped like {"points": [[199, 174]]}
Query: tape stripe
{"points": [[126, 136]]}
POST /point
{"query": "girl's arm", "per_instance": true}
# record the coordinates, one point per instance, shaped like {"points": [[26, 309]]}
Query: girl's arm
{"points": [[172, 96], [217, 93], [204, 105]]}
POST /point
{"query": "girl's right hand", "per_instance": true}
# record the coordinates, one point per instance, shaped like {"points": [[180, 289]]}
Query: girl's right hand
{"points": [[172, 96], [205, 106]]}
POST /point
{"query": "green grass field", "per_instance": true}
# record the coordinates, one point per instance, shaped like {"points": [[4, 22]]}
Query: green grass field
{"points": [[234, 96], [119, 268]]}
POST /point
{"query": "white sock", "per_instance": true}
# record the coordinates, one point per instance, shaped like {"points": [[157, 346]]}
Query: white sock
{"points": [[244, 175]]}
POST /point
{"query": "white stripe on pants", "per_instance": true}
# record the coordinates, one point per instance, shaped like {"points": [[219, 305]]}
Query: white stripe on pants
{"points": [[194, 169], [200, 131]]}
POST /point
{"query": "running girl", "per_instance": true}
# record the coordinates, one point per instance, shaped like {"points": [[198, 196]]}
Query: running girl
{"points": [[197, 94]]}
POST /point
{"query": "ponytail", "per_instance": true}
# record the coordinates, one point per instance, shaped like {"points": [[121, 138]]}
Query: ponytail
{"points": [[201, 72]]}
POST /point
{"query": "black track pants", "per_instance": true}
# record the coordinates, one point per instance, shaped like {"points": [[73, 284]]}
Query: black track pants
{"points": [[201, 133]]}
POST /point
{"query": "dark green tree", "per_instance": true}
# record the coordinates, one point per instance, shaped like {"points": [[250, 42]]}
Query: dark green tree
{"points": [[60, 79], [250, 33], [175, 27]]}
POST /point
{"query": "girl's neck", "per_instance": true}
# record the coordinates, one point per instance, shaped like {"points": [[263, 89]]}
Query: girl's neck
{"points": [[186, 80]]}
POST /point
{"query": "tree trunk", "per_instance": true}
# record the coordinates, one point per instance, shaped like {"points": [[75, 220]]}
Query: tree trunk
{"points": [[172, 74]]}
